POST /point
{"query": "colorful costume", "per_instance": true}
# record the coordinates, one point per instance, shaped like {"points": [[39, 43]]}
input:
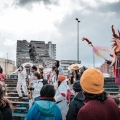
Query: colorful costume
{"points": [[115, 53]]}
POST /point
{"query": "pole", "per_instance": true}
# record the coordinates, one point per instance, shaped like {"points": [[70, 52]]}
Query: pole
{"points": [[7, 63], [78, 42]]}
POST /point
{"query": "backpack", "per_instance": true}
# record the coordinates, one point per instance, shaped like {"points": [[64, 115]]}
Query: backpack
{"points": [[69, 93]]}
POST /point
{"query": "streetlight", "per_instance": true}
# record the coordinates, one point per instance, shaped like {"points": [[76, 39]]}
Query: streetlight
{"points": [[78, 39], [7, 63]]}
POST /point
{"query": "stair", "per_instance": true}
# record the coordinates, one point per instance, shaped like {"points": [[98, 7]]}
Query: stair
{"points": [[21, 106], [111, 87]]}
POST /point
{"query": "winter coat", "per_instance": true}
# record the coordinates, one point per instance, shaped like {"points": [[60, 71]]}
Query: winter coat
{"points": [[75, 105], [37, 85], [95, 110], [61, 100], [6, 113], [44, 110]]}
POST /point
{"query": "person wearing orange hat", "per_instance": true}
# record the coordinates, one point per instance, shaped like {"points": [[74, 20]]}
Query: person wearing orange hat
{"points": [[61, 95], [97, 105]]}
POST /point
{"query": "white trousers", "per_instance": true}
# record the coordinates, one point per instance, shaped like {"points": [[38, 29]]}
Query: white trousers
{"points": [[64, 108], [24, 87]]}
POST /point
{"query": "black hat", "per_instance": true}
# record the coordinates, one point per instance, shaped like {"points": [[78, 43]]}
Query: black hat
{"points": [[47, 91], [77, 87]]}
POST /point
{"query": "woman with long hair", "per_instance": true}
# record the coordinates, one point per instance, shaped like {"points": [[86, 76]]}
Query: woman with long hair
{"points": [[5, 106]]}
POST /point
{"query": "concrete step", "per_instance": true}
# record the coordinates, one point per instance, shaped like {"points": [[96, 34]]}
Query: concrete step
{"points": [[21, 110], [110, 86], [19, 116], [112, 93], [26, 99], [20, 104], [12, 94]]}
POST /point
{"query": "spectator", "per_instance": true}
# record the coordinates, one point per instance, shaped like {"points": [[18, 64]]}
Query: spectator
{"points": [[53, 81], [42, 74], [60, 69], [5, 106], [1, 70], [98, 106], [45, 108], [33, 70], [76, 103], [36, 85], [61, 95]]}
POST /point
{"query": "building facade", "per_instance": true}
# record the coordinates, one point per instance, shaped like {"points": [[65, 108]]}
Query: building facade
{"points": [[8, 66], [105, 68], [42, 50], [66, 63]]}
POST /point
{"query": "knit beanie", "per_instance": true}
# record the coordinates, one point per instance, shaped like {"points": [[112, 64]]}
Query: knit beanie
{"points": [[61, 78], [77, 87], [47, 91], [92, 81]]}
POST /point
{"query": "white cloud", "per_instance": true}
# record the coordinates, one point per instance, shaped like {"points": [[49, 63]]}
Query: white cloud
{"points": [[57, 23], [9, 42]]}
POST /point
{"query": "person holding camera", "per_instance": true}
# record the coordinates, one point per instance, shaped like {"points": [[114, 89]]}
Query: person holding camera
{"points": [[35, 88], [21, 71]]}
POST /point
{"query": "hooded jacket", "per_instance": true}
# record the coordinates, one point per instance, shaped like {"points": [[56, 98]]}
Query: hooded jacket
{"points": [[75, 105], [44, 110]]}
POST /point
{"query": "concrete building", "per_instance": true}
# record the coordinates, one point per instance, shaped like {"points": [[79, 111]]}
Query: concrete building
{"points": [[105, 68], [43, 50], [66, 63], [8, 66]]}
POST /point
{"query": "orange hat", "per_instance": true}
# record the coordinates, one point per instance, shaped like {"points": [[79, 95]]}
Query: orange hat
{"points": [[61, 78], [92, 81]]}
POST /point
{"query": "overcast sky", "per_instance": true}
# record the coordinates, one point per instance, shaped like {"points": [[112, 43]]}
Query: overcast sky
{"points": [[54, 20]]}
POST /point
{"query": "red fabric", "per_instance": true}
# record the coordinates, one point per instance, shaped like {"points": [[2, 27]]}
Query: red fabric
{"points": [[2, 76], [47, 98], [95, 110], [63, 94], [68, 95], [114, 71]]}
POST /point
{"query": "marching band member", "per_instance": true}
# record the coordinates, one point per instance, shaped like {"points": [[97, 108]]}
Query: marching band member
{"points": [[21, 71]]}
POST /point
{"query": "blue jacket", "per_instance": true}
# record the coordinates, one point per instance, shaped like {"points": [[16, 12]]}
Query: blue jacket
{"points": [[44, 110]]}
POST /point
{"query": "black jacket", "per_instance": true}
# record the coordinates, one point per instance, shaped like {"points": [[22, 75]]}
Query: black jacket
{"points": [[74, 107], [6, 113]]}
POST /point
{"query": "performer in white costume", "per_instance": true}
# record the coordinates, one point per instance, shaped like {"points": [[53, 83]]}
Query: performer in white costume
{"points": [[61, 95], [21, 71]]}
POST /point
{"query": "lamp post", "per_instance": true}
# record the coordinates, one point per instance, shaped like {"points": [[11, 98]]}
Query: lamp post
{"points": [[7, 63], [77, 39]]}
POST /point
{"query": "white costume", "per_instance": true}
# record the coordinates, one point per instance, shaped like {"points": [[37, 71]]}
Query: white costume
{"points": [[21, 82], [60, 70], [54, 81], [37, 85], [60, 97]]}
